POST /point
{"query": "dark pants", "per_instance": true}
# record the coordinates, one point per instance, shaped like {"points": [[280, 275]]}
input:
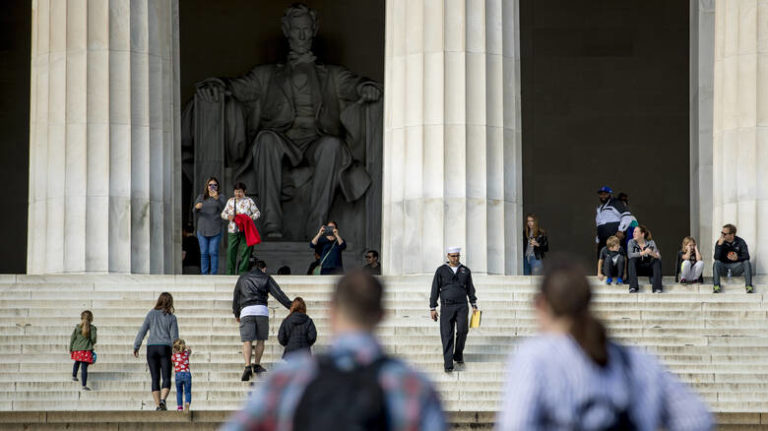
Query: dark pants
{"points": [[737, 268], [453, 318], [652, 267], [84, 376], [611, 269], [159, 361]]}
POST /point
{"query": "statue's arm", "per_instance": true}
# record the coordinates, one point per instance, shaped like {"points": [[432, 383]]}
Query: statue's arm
{"points": [[246, 88], [251, 86], [353, 87]]}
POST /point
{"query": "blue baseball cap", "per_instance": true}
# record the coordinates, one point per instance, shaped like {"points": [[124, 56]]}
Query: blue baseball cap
{"points": [[605, 189]]}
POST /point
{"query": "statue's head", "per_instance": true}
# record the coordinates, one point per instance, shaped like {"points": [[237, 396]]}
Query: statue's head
{"points": [[299, 25]]}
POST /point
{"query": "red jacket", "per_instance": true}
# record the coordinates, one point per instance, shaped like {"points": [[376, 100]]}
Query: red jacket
{"points": [[246, 225]]}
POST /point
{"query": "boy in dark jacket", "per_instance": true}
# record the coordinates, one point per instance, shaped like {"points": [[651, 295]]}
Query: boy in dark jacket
{"points": [[731, 254], [297, 332]]}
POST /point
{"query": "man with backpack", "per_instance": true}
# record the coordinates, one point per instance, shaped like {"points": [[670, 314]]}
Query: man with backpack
{"points": [[353, 386]]}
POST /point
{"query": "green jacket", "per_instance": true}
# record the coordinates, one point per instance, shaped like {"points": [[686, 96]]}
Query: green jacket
{"points": [[78, 342]]}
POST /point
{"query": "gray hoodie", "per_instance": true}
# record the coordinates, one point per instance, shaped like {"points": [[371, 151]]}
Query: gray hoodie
{"points": [[162, 329]]}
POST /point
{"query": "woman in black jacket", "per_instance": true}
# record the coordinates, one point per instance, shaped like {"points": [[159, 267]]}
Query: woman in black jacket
{"points": [[535, 245], [297, 332]]}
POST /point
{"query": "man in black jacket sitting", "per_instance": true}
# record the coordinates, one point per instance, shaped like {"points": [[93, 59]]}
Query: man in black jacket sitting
{"points": [[452, 284], [731, 254], [249, 304]]}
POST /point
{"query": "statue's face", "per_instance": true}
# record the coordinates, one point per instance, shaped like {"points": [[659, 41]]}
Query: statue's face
{"points": [[300, 34]]}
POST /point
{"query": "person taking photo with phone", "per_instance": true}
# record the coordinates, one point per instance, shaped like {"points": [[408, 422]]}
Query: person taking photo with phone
{"points": [[330, 245]]}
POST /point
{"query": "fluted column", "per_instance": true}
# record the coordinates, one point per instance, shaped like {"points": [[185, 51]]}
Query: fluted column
{"points": [[740, 125], [452, 173], [104, 137]]}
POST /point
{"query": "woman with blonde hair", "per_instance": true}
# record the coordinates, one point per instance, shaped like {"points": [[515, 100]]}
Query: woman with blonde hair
{"points": [[297, 332], [689, 262], [535, 245], [163, 329]]}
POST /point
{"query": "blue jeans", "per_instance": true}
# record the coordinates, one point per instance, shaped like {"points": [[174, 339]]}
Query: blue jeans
{"points": [[209, 253], [183, 387], [531, 265]]}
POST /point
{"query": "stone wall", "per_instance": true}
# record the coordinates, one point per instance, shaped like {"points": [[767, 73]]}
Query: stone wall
{"points": [[15, 24], [605, 102]]}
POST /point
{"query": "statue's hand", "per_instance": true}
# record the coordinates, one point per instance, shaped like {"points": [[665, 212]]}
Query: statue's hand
{"points": [[211, 91], [369, 93]]}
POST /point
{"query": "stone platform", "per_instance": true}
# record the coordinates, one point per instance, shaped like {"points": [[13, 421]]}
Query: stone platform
{"points": [[716, 343]]}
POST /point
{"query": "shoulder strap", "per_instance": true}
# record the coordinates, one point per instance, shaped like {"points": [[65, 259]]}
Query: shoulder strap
{"points": [[327, 253]]}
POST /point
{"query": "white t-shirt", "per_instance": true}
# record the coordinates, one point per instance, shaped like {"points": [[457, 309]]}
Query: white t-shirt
{"points": [[254, 310], [454, 268]]}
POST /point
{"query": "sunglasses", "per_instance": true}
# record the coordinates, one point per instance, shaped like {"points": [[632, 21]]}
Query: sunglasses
{"points": [[725, 233], [454, 255], [213, 186]]}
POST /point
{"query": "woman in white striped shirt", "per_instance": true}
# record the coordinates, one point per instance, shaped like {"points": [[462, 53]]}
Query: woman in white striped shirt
{"points": [[571, 377]]}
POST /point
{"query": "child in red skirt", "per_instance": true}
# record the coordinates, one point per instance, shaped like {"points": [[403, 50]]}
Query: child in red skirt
{"points": [[81, 346]]}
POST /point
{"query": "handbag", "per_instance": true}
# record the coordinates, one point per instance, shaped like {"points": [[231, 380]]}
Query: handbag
{"points": [[474, 322], [319, 268], [94, 356]]}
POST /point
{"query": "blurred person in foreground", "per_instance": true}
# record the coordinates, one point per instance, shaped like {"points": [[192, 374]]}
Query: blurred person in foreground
{"points": [[352, 386], [572, 377]]}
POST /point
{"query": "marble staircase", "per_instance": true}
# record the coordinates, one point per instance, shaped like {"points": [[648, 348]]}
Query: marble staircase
{"points": [[716, 343]]}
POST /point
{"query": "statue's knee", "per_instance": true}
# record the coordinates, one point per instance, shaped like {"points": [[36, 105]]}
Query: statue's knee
{"points": [[267, 142], [329, 144]]}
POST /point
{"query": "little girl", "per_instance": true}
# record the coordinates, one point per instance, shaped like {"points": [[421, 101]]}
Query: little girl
{"points": [[180, 360], [81, 346], [689, 262], [297, 332]]}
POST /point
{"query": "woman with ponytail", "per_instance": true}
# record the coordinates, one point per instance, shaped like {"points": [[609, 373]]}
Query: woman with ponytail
{"points": [[573, 377], [81, 347]]}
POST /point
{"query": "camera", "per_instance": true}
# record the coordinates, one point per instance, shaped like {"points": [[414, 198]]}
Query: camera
{"points": [[328, 231]]}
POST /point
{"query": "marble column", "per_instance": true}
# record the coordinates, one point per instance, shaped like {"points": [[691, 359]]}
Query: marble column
{"points": [[104, 137], [740, 125], [702, 54], [452, 173]]}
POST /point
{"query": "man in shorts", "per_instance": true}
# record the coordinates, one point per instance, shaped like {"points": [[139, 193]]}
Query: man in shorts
{"points": [[249, 304]]}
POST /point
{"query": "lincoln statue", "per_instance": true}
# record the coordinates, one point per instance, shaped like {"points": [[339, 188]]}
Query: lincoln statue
{"points": [[287, 129]]}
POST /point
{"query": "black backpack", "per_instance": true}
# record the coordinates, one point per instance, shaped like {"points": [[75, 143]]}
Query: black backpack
{"points": [[343, 400], [621, 421]]}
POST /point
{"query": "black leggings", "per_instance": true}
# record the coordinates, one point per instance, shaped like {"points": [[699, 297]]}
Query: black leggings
{"points": [[85, 371], [159, 360]]}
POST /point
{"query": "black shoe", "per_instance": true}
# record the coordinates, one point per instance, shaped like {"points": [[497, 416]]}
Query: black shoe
{"points": [[86, 388], [633, 290], [258, 369], [162, 406], [246, 374], [449, 370], [460, 363], [74, 379]]}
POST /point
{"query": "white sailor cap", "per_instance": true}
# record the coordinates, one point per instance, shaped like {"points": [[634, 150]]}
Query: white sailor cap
{"points": [[451, 250]]}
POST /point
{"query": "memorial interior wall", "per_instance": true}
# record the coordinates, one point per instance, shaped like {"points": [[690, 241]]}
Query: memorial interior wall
{"points": [[15, 42], [605, 102]]}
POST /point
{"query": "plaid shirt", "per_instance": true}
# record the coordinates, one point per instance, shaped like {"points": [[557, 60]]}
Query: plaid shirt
{"points": [[412, 402]]}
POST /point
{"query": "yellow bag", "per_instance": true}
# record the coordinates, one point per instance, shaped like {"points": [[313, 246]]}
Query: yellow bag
{"points": [[474, 322]]}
